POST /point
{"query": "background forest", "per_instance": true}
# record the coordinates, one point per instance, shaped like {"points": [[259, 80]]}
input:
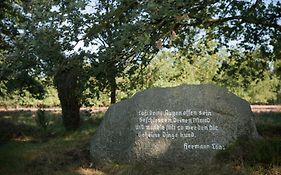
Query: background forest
{"points": [[168, 69]]}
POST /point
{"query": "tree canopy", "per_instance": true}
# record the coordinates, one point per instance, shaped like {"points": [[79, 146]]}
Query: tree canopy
{"points": [[147, 26]]}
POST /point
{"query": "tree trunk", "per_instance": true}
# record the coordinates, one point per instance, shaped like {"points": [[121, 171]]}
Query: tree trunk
{"points": [[113, 87], [70, 109], [113, 94], [67, 85]]}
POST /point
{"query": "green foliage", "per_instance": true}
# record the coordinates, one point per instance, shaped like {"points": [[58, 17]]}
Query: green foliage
{"points": [[10, 18], [13, 73], [24, 98], [128, 34], [140, 28], [120, 42], [249, 75], [170, 69], [174, 68], [45, 51]]}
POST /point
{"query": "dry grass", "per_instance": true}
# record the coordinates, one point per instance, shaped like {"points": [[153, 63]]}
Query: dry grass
{"points": [[89, 171]]}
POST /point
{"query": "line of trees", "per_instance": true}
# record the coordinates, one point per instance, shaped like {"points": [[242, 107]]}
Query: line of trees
{"points": [[40, 47]]}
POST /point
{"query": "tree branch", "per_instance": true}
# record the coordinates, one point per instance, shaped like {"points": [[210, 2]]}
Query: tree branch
{"points": [[245, 19]]}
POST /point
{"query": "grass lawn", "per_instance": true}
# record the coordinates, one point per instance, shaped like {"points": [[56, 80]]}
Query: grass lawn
{"points": [[25, 148], [28, 148]]}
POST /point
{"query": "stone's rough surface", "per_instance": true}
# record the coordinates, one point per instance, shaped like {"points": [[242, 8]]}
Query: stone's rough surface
{"points": [[180, 126]]}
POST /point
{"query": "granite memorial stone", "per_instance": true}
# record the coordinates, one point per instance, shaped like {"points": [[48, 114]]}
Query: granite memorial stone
{"points": [[179, 126]]}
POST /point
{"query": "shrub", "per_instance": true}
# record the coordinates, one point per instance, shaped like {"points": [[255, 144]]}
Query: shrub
{"points": [[41, 119]]}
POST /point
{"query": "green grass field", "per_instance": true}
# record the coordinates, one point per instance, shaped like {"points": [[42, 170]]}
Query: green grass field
{"points": [[28, 148]]}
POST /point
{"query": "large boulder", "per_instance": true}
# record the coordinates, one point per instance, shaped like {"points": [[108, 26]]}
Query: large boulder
{"points": [[180, 127]]}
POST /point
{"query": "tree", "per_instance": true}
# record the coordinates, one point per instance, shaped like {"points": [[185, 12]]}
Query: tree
{"points": [[168, 69], [45, 50], [249, 75], [179, 24], [69, 81], [120, 42], [11, 16]]}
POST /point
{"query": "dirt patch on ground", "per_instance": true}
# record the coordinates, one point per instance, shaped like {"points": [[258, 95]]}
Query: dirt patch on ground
{"points": [[266, 108], [56, 109]]}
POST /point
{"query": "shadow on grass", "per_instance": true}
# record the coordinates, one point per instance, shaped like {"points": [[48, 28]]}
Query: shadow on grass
{"points": [[28, 149], [257, 157]]}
